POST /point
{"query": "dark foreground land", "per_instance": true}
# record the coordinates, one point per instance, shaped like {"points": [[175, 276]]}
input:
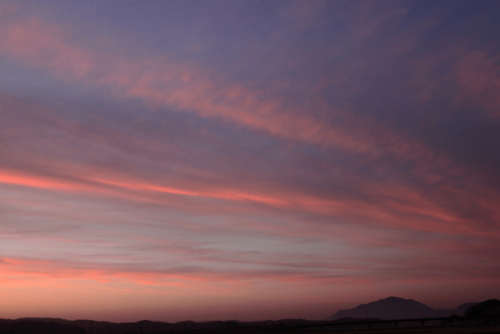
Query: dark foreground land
{"points": [[478, 318], [450, 325], [456, 330]]}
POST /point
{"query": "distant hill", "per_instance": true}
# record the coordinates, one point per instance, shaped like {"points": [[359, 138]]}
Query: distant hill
{"points": [[460, 310], [34, 326], [389, 308], [62, 326], [397, 308], [342, 320], [490, 307]]}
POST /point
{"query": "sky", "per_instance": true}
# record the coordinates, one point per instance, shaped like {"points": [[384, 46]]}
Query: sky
{"points": [[252, 160]]}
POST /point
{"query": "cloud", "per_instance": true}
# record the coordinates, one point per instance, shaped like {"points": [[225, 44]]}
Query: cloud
{"points": [[161, 82], [339, 146], [479, 77]]}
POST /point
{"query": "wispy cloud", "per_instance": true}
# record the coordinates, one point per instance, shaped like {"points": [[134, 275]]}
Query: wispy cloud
{"points": [[308, 146]]}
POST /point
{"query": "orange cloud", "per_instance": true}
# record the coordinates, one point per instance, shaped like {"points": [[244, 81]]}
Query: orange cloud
{"points": [[25, 270], [21, 179], [397, 206], [160, 81]]}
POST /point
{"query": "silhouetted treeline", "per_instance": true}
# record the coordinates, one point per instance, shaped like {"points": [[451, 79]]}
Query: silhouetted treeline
{"points": [[490, 307], [38, 327], [61, 326]]}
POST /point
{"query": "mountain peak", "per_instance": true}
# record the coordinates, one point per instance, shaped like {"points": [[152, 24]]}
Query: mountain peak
{"points": [[393, 299], [391, 308]]}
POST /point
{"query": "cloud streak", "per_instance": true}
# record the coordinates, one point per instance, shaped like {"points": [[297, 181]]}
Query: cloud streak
{"points": [[330, 148]]}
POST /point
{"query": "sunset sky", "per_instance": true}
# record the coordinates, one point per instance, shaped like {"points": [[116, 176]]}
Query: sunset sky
{"points": [[202, 160]]}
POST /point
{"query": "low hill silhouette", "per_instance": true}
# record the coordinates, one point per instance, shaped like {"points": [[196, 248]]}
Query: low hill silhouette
{"points": [[33, 326], [347, 319], [489, 307], [62, 326], [384, 309], [397, 308], [460, 310]]}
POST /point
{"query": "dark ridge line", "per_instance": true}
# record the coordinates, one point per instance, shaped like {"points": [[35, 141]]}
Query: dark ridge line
{"points": [[369, 322]]}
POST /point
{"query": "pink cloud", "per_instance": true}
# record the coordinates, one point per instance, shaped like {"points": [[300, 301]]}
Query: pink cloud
{"points": [[397, 206], [479, 76], [159, 81]]}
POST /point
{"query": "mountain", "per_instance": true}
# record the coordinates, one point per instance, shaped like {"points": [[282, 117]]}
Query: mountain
{"points": [[460, 310], [490, 307], [397, 308]]}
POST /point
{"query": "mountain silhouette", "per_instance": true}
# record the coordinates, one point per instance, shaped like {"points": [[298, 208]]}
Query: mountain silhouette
{"points": [[397, 308], [460, 310], [490, 307]]}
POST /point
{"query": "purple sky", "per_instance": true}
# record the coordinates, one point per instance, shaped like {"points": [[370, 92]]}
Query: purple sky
{"points": [[173, 160]]}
